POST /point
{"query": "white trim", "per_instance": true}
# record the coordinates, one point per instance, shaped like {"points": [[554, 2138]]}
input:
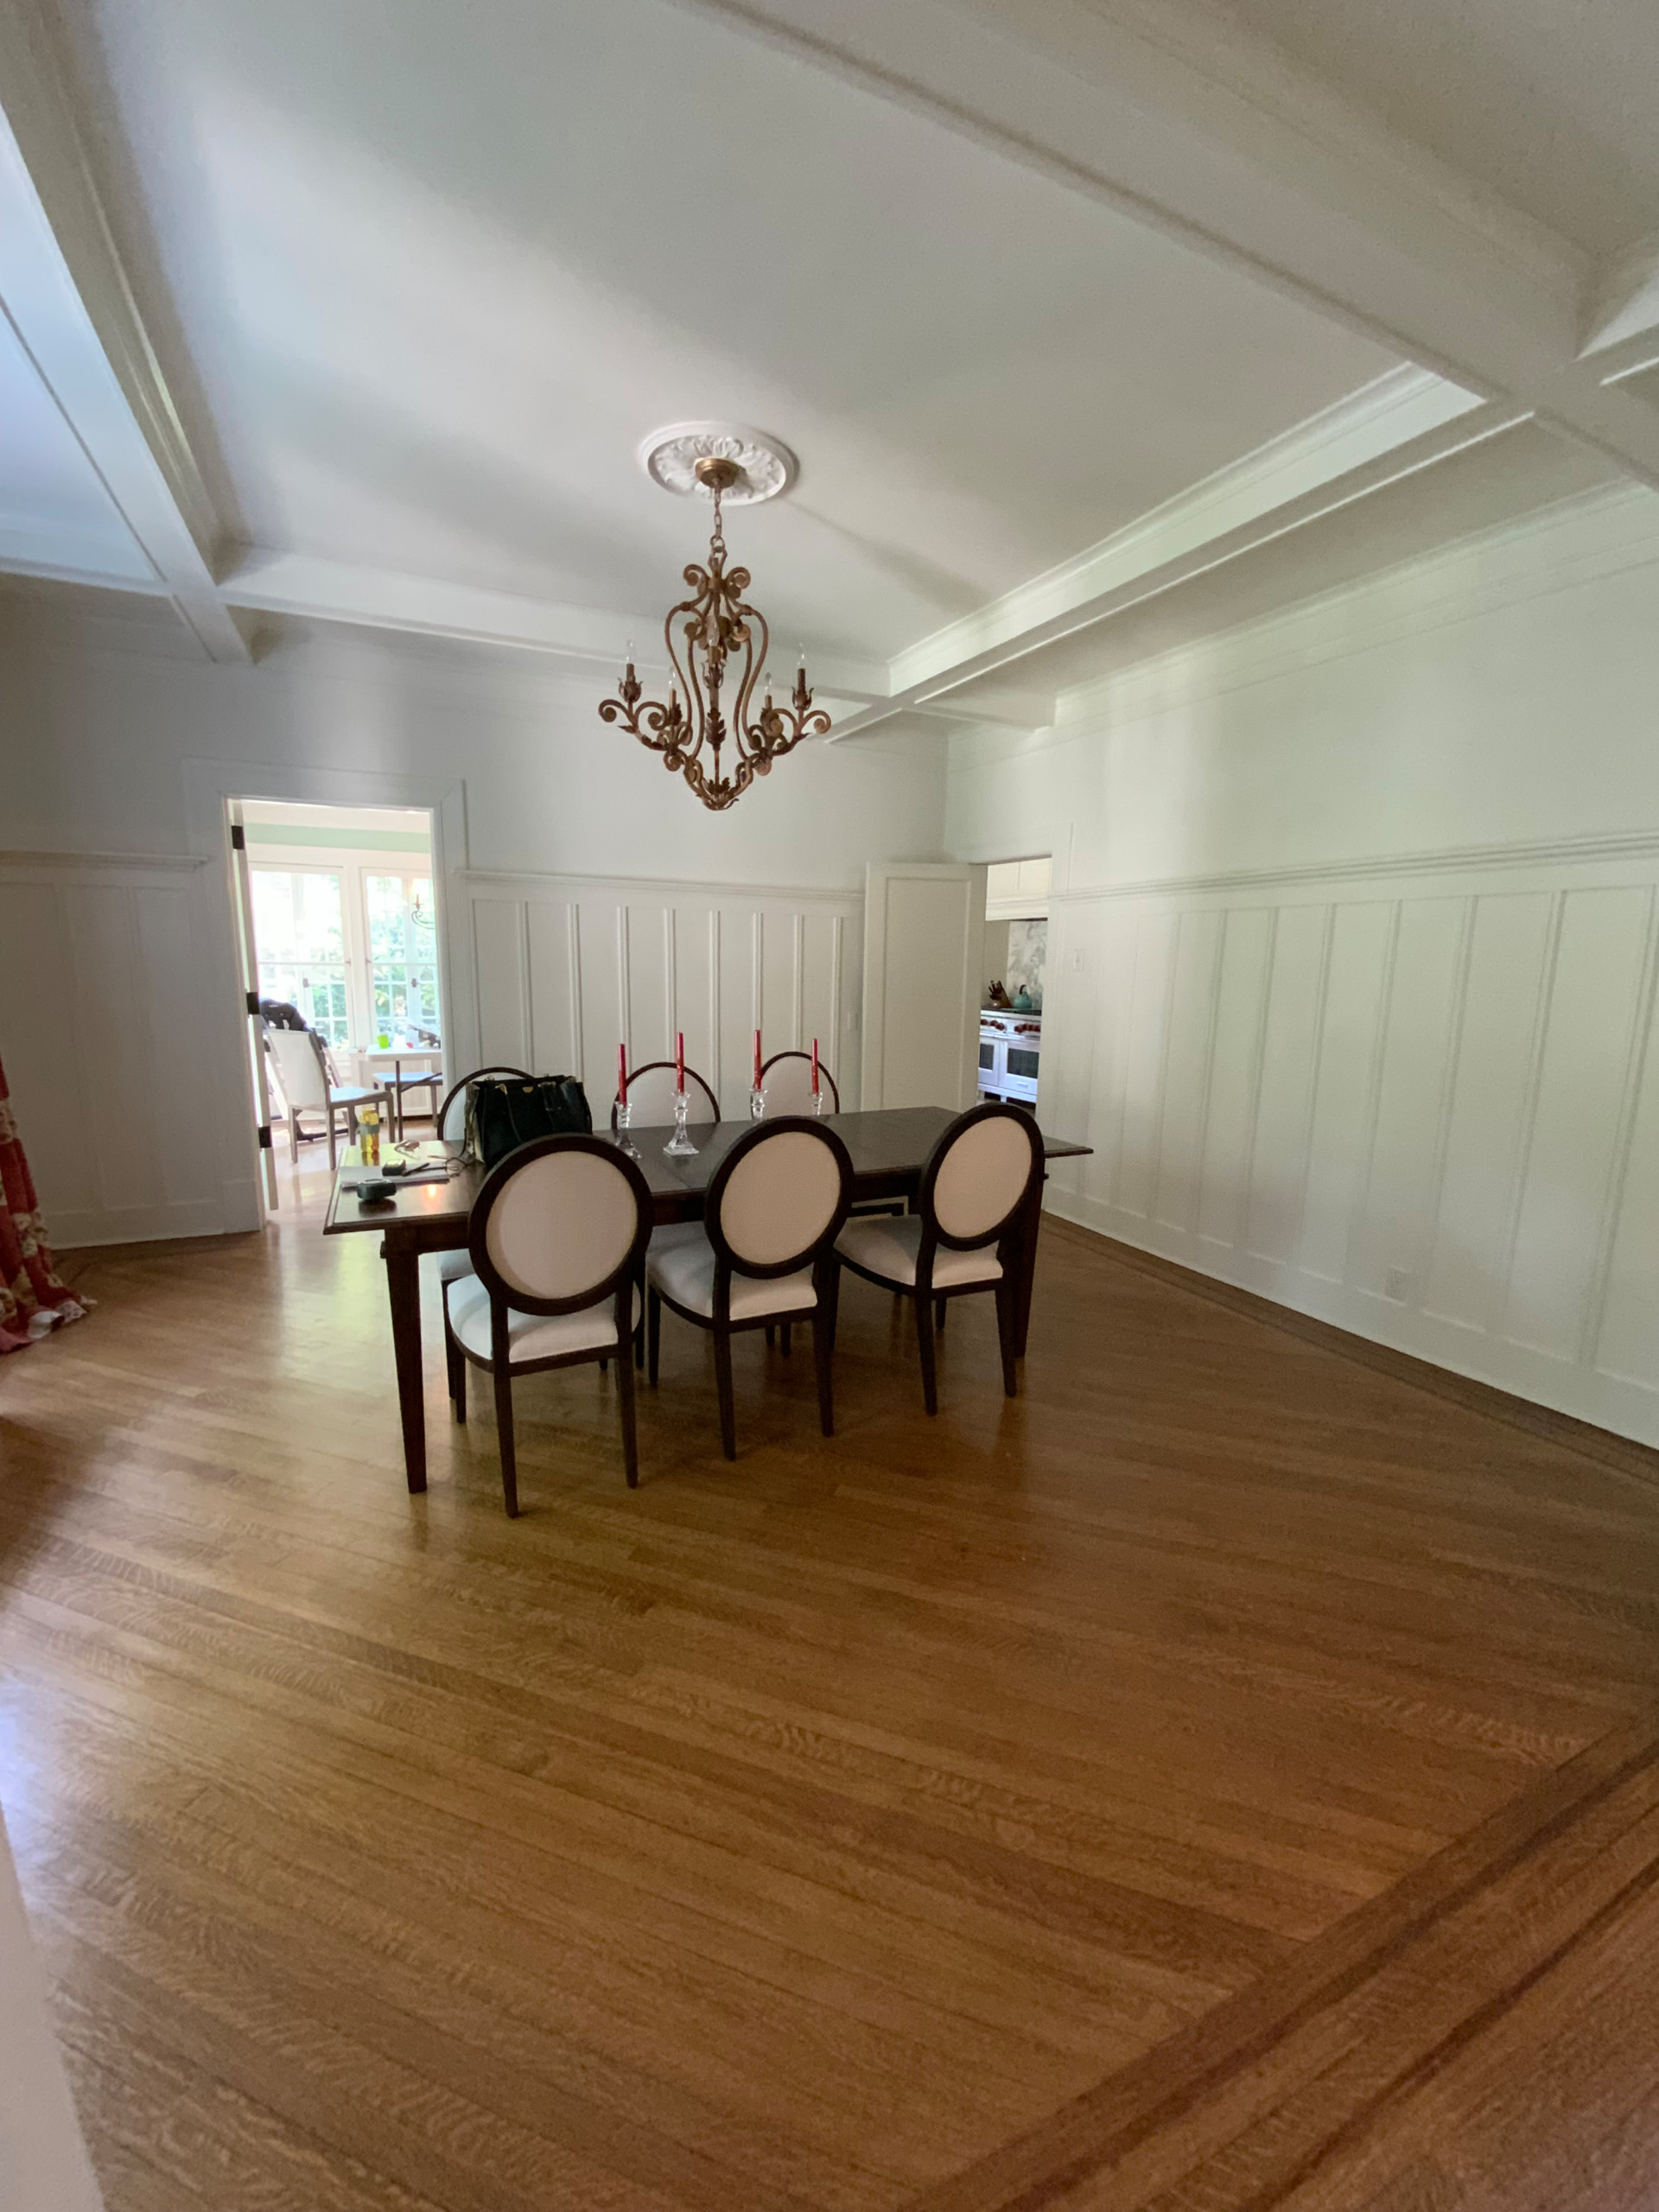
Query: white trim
{"points": [[1378, 424], [1512, 564], [1591, 849]]}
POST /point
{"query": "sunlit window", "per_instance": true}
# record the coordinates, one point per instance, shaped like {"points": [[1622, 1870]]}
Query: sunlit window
{"points": [[298, 925], [403, 959]]}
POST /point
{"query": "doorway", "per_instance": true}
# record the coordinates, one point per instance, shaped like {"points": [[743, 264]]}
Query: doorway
{"points": [[1015, 960], [340, 940]]}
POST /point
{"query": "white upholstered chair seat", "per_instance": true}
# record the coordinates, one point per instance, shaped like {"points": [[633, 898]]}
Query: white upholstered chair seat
{"points": [[455, 1266], [888, 1247], [530, 1336], [685, 1272]]}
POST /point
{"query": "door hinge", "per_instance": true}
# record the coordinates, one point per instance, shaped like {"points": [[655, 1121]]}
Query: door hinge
{"points": [[252, 998], [264, 1136], [238, 838]]}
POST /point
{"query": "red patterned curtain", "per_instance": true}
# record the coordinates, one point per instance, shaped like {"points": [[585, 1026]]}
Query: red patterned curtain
{"points": [[32, 1300]]}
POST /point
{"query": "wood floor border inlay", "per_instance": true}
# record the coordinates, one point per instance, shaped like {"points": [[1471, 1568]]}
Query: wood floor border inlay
{"points": [[1616, 1778]]}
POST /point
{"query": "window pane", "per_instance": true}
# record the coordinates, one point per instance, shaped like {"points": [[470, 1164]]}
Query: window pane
{"points": [[299, 930], [402, 957]]}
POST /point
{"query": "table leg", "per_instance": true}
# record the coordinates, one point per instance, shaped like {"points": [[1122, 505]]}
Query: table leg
{"points": [[1029, 1229], [403, 1289]]}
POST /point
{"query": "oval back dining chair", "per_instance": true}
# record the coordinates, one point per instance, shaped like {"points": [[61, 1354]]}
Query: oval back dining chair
{"points": [[786, 1079], [651, 1094], [771, 1216], [556, 1238], [451, 1126], [975, 1191]]}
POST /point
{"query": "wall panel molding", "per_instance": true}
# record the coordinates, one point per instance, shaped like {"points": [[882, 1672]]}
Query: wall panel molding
{"points": [[638, 959], [1419, 1103], [106, 998]]}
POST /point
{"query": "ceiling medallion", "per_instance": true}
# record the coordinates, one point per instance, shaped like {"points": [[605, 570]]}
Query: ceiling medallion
{"points": [[721, 640]]}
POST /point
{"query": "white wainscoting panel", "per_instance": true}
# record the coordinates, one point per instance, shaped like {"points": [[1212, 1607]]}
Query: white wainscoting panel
{"points": [[562, 968], [1425, 1106], [107, 999]]}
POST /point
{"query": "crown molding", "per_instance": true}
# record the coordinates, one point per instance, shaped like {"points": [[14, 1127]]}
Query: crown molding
{"points": [[1361, 441], [1593, 535]]}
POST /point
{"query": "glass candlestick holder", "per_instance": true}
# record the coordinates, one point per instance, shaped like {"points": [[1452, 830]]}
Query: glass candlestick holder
{"points": [[679, 1146], [624, 1123], [820, 1101], [757, 1104]]}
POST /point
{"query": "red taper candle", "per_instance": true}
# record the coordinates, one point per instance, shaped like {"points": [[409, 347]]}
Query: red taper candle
{"points": [[679, 1060], [757, 1059], [622, 1074], [815, 1067]]}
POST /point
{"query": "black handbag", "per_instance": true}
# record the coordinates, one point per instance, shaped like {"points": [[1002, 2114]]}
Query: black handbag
{"points": [[502, 1114]]}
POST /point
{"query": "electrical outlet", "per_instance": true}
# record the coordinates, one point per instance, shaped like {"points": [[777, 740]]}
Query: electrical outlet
{"points": [[1396, 1283]]}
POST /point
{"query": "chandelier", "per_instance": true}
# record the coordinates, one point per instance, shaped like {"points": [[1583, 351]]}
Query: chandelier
{"points": [[708, 729]]}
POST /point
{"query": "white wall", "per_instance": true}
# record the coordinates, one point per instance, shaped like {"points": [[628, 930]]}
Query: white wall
{"points": [[1353, 960], [119, 1028]]}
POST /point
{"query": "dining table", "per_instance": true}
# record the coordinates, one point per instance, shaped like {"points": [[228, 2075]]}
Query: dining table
{"points": [[889, 1148]]}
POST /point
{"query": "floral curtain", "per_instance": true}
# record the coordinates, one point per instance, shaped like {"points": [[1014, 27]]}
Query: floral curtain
{"points": [[32, 1300]]}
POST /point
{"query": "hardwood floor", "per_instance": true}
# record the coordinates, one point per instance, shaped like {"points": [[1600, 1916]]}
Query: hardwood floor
{"points": [[1227, 1775]]}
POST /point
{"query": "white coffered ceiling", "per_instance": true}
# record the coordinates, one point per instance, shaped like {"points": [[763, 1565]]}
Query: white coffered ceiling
{"points": [[359, 314]]}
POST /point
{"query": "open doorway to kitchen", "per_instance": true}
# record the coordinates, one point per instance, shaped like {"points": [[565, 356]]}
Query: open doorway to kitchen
{"points": [[1016, 951], [342, 959]]}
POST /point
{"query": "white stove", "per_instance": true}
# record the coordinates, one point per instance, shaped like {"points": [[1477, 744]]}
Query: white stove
{"points": [[1008, 1048]]}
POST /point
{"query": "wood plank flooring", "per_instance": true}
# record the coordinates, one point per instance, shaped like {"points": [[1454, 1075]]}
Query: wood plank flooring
{"points": [[1226, 1776]]}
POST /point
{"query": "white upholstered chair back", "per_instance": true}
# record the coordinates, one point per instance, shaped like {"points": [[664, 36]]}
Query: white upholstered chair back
{"points": [[780, 1199], [300, 1068], [983, 1176], [651, 1094], [788, 1084], [561, 1224]]}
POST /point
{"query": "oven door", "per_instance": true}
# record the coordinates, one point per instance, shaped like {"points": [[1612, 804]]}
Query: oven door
{"points": [[1020, 1074]]}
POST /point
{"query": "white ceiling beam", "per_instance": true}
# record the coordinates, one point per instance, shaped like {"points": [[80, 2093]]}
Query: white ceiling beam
{"points": [[1209, 133], [1195, 126], [67, 295], [1624, 308], [334, 591], [1406, 421]]}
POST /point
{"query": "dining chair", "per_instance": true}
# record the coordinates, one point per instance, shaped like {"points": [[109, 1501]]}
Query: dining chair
{"points": [[450, 1125], [786, 1079], [309, 1085], [964, 1235], [765, 1254], [651, 1094], [556, 1238]]}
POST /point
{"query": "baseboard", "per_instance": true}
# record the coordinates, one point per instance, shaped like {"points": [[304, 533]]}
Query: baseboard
{"points": [[75, 1228], [1606, 1446]]}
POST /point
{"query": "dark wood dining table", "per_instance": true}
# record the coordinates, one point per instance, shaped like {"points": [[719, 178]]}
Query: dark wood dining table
{"points": [[889, 1150]]}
